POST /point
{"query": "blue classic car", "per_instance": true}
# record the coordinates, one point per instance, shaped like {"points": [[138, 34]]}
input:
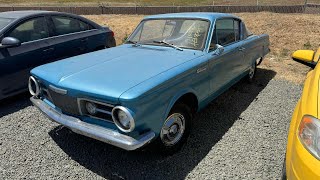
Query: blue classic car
{"points": [[148, 89], [33, 38]]}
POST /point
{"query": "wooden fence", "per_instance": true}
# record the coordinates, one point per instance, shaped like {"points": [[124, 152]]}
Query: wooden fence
{"points": [[308, 8]]}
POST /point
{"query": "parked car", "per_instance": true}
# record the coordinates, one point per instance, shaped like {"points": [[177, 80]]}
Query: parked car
{"points": [[32, 38], [303, 148], [148, 89]]}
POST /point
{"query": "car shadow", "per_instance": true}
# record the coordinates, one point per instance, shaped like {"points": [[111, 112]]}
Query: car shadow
{"points": [[212, 123], [15, 103]]}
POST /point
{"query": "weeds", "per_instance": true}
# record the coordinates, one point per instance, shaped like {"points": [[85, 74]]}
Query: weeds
{"points": [[307, 45], [284, 52], [124, 39]]}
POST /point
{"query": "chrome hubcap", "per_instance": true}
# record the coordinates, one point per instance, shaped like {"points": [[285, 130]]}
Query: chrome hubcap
{"points": [[172, 129]]}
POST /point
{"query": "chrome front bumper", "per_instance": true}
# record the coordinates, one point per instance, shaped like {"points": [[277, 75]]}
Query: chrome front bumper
{"points": [[93, 131]]}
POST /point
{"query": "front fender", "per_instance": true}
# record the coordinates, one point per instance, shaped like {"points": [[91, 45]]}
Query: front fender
{"points": [[175, 98]]}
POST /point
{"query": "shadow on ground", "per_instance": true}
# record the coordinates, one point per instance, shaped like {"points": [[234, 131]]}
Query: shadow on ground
{"points": [[211, 124], [13, 104]]}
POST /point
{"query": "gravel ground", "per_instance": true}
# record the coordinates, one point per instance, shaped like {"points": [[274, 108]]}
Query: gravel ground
{"points": [[241, 135]]}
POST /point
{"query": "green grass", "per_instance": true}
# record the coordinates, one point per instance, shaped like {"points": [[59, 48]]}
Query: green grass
{"points": [[154, 3]]}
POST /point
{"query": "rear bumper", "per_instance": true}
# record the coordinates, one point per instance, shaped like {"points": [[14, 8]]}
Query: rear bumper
{"points": [[93, 131]]}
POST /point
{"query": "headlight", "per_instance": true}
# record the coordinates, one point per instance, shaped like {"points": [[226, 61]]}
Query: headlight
{"points": [[123, 119], [91, 108], [33, 86], [309, 134]]}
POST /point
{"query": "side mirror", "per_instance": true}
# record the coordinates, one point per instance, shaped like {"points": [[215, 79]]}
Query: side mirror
{"points": [[219, 49], [9, 42], [304, 57]]}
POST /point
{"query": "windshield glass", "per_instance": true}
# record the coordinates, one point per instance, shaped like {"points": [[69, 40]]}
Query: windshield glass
{"points": [[183, 33], [4, 22]]}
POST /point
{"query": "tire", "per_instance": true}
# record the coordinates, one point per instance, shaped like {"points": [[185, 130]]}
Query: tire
{"points": [[175, 130], [252, 72], [284, 173]]}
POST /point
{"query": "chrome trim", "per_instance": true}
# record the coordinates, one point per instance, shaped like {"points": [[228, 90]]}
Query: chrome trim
{"points": [[201, 69], [90, 100], [32, 79], [58, 90], [93, 131], [99, 110], [173, 129], [118, 124], [52, 37]]}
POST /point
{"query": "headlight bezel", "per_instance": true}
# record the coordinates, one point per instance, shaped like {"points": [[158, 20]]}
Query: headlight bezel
{"points": [[36, 84], [314, 146], [117, 122]]}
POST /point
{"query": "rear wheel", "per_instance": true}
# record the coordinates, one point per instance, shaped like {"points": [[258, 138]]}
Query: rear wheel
{"points": [[175, 130], [252, 72]]}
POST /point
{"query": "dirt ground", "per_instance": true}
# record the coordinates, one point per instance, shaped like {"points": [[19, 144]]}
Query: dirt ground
{"points": [[288, 32]]}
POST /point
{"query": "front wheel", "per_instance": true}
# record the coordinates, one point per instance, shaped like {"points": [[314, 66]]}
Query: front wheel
{"points": [[175, 130]]}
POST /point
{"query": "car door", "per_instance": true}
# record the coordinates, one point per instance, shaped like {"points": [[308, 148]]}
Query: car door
{"points": [[70, 37], [226, 66], [16, 62]]}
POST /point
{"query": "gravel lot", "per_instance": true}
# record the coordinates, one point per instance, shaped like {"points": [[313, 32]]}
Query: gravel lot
{"points": [[241, 135]]}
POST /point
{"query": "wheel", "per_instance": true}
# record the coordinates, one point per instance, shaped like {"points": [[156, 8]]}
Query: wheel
{"points": [[252, 72], [175, 130]]}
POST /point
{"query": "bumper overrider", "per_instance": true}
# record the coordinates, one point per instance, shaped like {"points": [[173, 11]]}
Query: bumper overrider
{"points": [[93, 131]]}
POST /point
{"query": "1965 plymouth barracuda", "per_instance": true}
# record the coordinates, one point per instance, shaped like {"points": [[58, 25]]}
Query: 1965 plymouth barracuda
{"points": [[148, 89]]}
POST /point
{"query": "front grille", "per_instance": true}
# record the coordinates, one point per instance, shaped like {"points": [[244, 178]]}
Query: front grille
{"points": [[66, 103], [103, 110], [71, 105]]}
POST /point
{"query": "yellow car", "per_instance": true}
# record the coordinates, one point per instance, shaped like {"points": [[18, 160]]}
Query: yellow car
{"points": [[303, 149]]}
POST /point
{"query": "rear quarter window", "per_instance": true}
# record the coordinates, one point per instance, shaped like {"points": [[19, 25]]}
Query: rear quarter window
{"points": [[67, 25]]}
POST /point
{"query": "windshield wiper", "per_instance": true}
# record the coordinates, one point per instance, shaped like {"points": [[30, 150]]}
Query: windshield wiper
{"points": [[171, 45], [134, 43]]}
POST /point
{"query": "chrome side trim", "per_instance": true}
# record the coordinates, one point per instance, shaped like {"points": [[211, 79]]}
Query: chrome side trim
{"points": [[93, 131], [58, 90], [58, 36], [201, 69]]}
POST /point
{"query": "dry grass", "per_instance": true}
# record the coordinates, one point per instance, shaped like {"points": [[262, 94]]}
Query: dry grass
{"points": [[288, 32]]}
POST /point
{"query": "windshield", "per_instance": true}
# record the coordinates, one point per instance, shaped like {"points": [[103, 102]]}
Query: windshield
{"points": [[182, 33], [4, 22]]}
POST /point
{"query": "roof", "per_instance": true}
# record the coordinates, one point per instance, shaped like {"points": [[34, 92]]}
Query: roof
{"points": [[21, 14], [200, 15]]}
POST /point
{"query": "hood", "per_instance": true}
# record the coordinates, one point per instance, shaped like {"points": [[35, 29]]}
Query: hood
{"points": [[111, 72]]}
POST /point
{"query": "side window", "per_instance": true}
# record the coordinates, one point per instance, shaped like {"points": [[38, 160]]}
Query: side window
{"points": [[226, 31], [66, 25], [30, 30]]}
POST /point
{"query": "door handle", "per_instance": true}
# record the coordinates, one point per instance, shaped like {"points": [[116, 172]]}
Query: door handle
{"points": [[84, 40], [48, 50], [241, 49]]}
